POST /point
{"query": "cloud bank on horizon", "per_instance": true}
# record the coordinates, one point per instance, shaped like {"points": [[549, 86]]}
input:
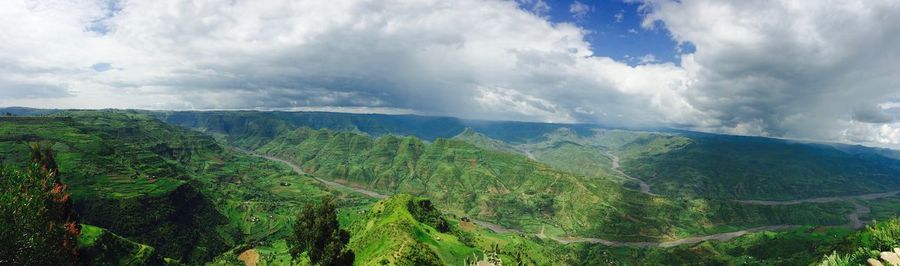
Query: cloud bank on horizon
{"points": [[824, 70]]}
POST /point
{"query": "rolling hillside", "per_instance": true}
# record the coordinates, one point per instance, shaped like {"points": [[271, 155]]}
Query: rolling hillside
{"points": [[173, 189], [517, 192], [155, 191]]}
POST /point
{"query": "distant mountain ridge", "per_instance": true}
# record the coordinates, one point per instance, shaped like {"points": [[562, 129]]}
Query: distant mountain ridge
{"points": [[698, 165]]}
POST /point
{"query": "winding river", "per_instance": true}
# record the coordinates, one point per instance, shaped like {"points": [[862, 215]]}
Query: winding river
{"points": [[853, 217]]}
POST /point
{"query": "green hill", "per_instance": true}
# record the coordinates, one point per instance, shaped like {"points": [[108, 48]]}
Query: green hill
{"points": [[97, 246], [517, 192], [759, 168], [249, 128], [675, 163], [165, 186], [130, 174], [158, 190], [404, 230], [717, 166], [870, 243], [470, 136]]}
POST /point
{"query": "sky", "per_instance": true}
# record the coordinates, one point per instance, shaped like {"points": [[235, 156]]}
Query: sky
{"points": [[820, 70]]}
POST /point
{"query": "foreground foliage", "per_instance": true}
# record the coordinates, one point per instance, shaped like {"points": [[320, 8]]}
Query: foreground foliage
{"points": [[866, 244], [37, 224], [318, 235]]}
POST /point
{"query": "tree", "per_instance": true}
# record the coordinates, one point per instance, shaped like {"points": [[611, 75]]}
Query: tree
{"points": [[37, 223], [318, 234]]}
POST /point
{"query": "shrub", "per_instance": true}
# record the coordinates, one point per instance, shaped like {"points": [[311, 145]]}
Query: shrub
{"points": [[37, 224], [318, 234]]}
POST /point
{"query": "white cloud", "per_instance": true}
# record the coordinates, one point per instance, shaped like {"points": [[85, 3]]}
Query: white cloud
{"points": [[791, 68], [872, 133], [760, 67], [646, 59], [538, 7], [579, 10], [515, 103]]}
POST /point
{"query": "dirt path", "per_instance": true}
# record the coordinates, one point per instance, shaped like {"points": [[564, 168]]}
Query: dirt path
{"points": [[678, 242], [645, 188], [853, 217], [495, 227], [684, 241], [855, 223], [823, 199], [323, 181], [249, 257]]}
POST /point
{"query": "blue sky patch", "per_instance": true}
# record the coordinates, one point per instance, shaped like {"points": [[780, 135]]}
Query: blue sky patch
{"points": [[616, 30]]}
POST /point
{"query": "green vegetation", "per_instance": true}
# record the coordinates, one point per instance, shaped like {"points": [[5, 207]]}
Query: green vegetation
{"points": [[516, 192], [37, 224], [482, 141], [130, 174], [403, 230], [865, 244], [165, 186], [250, 129], [674, 163], [759, 168], [565, 150], [713, 166], [151, 190], [317, 234], [97, 246], [801, 246]]}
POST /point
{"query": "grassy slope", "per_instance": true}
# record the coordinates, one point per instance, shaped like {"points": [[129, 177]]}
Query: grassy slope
{"points": [[97, 246], [717, 166], [561, 150], [402, 230], [856, 248], [517, 192], [482, 141], [408, 230], [678, 163], [129, 174], [162, 185], [241, 186], [759, 168], [800, 246]]}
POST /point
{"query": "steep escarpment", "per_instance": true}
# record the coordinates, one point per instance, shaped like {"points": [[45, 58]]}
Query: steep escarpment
{"points": [[132, 175], [181, 224]]}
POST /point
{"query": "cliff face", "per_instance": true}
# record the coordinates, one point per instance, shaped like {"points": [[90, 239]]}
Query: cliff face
{"points": [[181, 224]]}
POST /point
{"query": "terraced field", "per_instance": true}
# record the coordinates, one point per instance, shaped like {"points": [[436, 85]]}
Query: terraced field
{"points": [[569, 197]]}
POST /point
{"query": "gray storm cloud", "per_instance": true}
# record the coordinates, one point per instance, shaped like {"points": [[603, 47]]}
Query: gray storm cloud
{"points": [[808, 69], [778, 68]]}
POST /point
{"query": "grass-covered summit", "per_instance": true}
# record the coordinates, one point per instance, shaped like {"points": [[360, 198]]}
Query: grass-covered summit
{"points": [[406, 230]]}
